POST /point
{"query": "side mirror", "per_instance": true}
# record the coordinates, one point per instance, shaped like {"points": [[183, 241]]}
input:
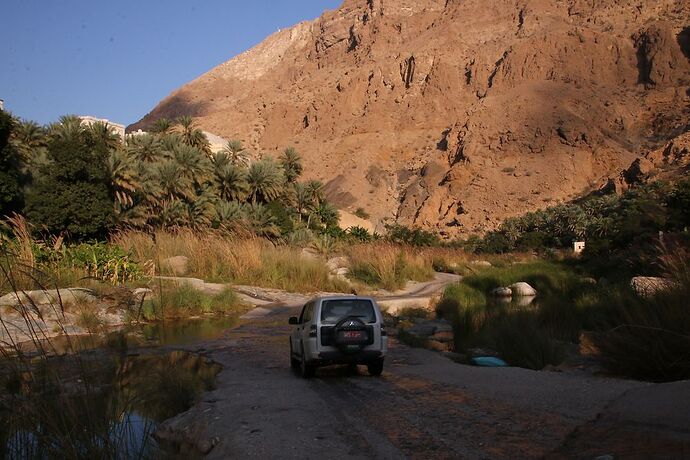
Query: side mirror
{"points": [[293, 320]]}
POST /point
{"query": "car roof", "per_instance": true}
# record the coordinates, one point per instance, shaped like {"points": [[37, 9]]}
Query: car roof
{"points": [[343, 297]]}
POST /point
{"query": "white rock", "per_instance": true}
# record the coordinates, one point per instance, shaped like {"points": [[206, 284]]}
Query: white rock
{"points": [[66, 296], [481, 263], [336, 263], [523, 289]]}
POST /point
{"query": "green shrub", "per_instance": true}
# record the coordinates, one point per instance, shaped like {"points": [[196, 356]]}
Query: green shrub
{"points": [[412, 236], [105, 262], [360, 234], [72, 193], [361, 213], [11, 178]]}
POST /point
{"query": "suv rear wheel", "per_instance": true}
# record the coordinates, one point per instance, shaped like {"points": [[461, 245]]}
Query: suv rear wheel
{"points": [[306, 370], [294, 362], [375, 368]]}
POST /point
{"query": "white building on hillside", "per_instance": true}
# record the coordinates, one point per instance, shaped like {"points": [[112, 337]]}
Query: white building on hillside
{"points": [[117, 127]]}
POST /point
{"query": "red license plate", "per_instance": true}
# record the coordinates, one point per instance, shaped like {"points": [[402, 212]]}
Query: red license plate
{"points": [[353, 334]]}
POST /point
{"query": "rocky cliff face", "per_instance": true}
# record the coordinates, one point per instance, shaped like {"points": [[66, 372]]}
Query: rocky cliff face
{"points": [[455, 114]]}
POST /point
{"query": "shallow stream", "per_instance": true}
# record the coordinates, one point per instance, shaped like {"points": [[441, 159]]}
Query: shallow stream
{"points": [[107, 399]]}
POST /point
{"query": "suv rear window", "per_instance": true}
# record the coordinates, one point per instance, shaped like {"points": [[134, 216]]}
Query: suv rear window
{"points": [[333, 311]]}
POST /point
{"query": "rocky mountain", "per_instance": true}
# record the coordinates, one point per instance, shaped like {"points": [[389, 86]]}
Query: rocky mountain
{"points": [[455, 114]]}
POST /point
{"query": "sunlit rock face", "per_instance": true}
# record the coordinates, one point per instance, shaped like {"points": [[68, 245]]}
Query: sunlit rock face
{"points": [[453, 115]]}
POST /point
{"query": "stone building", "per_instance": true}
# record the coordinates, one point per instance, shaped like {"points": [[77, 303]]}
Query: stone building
{"points": [[117, 128]]}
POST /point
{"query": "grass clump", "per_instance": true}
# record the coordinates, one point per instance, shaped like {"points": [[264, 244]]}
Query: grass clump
{"points": [[649, 337], [388, 266], [185, 301], [634, 336], [253, 261]]}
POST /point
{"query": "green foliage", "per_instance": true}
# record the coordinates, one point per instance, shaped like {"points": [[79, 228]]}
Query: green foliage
{"points": [[390, 268], [291, 163], [184, 301], [640, 337], [360, 234], [414, 237], [265, 180], [11, 180], [623, 230], [648, 337], [105, 262], [72, 192], [88, 181]]}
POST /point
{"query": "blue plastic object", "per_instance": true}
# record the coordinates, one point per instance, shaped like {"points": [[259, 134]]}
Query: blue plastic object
{"points": [[489, 361]]}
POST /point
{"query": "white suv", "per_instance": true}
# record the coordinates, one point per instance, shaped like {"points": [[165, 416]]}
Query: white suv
{"points": [[338, 330]]}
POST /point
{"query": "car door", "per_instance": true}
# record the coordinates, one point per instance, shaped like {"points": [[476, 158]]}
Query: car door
{"points": [[305, 323], [296, 336]]}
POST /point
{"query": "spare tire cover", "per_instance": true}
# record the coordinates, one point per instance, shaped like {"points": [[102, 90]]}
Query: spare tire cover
{"points": [[350, 334]]}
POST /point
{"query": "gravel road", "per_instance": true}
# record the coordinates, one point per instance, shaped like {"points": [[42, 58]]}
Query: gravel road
{"points": [[422, 406]]}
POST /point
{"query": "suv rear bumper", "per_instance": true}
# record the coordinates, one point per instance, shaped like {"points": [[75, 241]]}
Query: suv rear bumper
{"points": [[337, 357]]}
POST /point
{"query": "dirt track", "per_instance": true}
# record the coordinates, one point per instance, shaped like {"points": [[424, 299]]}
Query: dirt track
{"points": [[423, 406]]}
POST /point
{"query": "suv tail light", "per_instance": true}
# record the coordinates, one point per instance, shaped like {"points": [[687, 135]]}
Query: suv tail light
{"points": [[383, 330], [312, 330]]}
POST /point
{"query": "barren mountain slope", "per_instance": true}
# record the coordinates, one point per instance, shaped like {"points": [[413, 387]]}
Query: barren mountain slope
{"points": [[454, 114]]}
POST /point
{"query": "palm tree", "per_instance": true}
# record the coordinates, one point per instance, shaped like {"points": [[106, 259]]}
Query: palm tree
{"points": [[265, 180], [192, 135], [161, 126], [303, 200], [124, 179], [199, 211], [236, 152], [28, 137], [315, 188], [220, 160], [291, 162], [146, 148], [104, 134], [172, 213], [262, 221], [68, 128], [171, 182], [195, 165], [231, 182], [229, 211], [328, 214]]}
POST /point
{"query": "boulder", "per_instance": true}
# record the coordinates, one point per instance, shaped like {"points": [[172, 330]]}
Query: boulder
{"points": [[502, 292], [67, 296], [439, 329], [140, 293], [337, 263], [481, 263], [523, 289], [310, 253], [647, 286], [176, 265]]}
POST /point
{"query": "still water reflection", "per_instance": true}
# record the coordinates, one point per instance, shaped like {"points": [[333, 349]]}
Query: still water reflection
{"points": [[105, 401]]}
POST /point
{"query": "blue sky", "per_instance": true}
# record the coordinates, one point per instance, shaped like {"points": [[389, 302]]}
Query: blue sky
{"points": [[116, 60]]}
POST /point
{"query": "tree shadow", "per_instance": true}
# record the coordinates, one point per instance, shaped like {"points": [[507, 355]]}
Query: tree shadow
{"points": [[684, 41]]}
